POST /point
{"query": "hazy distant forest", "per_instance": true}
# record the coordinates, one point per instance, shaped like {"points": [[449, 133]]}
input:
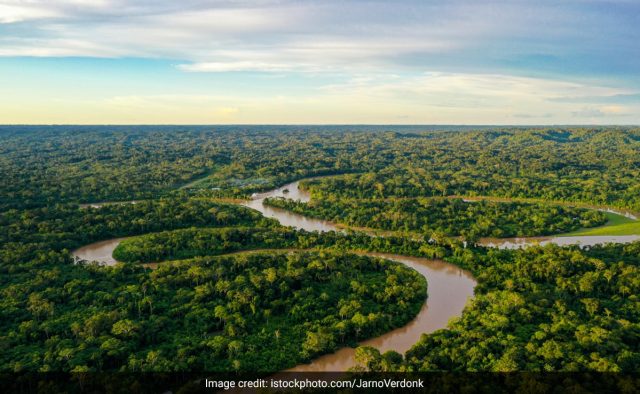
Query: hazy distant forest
{"points": [[210, 308]]}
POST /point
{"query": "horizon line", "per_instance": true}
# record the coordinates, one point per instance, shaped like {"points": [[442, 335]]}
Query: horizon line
{"points": [[334, 124]]}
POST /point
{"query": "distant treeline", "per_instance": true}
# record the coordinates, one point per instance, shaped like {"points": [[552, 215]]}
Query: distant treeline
{"points": [[46, 165]]}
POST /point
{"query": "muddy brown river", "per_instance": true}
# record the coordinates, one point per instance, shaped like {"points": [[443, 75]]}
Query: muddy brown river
{"points": [[582, 240], [449, 287], [100, 252]]}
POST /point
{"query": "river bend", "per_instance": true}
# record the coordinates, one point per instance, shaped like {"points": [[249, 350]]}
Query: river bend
{"points": [[449, 287]]}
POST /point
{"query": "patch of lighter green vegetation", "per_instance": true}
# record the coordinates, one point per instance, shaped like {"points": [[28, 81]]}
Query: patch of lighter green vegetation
{"points": [[616, 225], [194, 182]]}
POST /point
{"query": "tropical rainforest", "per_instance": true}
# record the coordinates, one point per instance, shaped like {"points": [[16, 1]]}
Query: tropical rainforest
{"points": [[203, 283], [47, 165], [450, 217], [538, 309]]}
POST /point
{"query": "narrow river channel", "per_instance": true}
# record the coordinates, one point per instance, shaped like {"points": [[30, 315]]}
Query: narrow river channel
{"points": [[449, 287]]}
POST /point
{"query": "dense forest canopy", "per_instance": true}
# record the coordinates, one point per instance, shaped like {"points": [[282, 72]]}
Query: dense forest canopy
{"points": [[438, 216], [541, 309], [45, 165], [67, 226], [544, 309], [208, 313], [254, 312]]}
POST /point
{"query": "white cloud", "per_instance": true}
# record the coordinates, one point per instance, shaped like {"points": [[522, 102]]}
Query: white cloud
{"points": [[233, 66], [608, 111], [463, 97], [433, 98], [14, 11], [468, 89], [19, 12], [381, 48], [55, 47], [306, 36]]}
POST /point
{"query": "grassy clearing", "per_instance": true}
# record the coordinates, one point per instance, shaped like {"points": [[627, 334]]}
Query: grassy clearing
{"points": [[617, 225], [616, 219], [194, 182]]}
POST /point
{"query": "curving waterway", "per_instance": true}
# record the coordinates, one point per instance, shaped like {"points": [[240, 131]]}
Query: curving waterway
{"points": [[581, 240], [449, 287], [100, 252]]}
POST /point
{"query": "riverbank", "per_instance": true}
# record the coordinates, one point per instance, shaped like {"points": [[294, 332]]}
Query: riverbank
{"points": [[617, 225], [621, 227], [449, 287]]}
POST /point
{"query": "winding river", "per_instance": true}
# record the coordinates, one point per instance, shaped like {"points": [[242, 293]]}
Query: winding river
{"points": [[449, 287], [582, 240]]}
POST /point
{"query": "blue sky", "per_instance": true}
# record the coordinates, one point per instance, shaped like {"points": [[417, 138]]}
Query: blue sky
{"points": [[263, 61]]}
